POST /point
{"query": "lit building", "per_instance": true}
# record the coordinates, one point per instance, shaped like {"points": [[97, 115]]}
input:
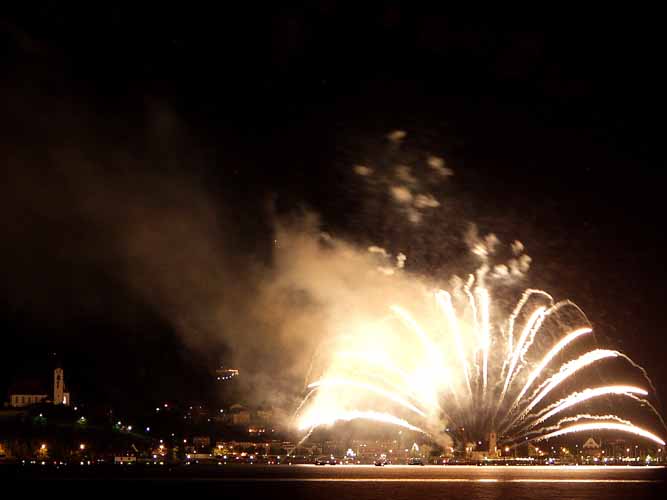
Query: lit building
{"points": [[591, 448], [367, 451], [223, 374], [494, 451], [30, 392], [229, 390], [239, 415], [201, 442], [264, 416], [616, 447], [534, 451], [483, 450], [241, 448]]}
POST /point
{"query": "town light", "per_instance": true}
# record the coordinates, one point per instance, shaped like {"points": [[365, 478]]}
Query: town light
{"points": [[82, 446]]}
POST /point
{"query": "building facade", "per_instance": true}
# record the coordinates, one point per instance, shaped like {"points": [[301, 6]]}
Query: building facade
{"points": [[30, 392]]}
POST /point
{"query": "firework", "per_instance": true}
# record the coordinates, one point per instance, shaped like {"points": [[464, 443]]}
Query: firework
{"points": [[580, 397], [331, 417], [459, 368], [396, 398], [594, 426]]}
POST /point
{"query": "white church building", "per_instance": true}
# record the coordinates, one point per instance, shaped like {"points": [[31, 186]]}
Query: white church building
{"points": [[26, 393]]}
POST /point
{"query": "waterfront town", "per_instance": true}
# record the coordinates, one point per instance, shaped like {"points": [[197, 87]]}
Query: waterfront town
{"points": [[44, 424]]}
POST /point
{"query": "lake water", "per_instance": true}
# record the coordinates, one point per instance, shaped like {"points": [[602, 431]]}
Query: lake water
{"points": [[362, 482]]}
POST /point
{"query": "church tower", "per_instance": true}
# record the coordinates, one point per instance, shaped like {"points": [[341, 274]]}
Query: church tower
{"points": [[493, 444], [58, 386]]}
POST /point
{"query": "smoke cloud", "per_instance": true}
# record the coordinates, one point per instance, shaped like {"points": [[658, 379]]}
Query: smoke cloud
{"points": [[409, 186], [149, 217]]}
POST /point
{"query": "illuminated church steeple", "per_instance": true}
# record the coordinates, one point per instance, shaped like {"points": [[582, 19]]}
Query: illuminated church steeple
{"points": [[58, 387]]}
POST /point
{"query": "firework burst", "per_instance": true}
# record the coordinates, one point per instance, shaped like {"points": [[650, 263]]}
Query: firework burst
{"points": [[457, 372]]}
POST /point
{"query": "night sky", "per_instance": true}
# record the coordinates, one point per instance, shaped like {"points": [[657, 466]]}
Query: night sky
{"points": [[551, 122]]}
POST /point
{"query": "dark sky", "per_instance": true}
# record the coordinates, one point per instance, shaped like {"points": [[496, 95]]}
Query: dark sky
{"points": [[552, 123]]}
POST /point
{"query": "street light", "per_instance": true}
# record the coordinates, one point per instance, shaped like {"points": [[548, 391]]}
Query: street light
{"points": [[82, 446]]}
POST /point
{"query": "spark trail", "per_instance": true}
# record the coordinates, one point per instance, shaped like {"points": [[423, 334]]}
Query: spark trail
{"points": [[580, 397], [614, 426], [459, 367]]}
